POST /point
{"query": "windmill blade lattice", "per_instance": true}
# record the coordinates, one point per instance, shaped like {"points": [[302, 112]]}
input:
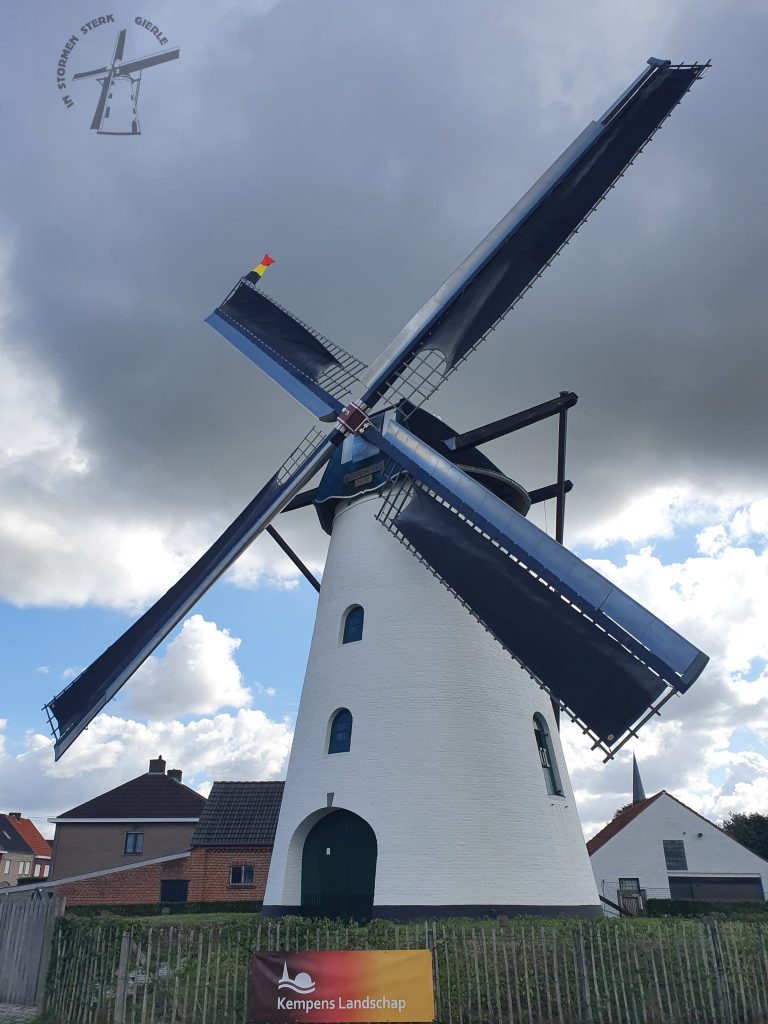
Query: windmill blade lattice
{"points": [[130, 67], [78, 704], [495, 276], [613, 660], [106, 85], [90, 74], [119, 46], [317, 373]]}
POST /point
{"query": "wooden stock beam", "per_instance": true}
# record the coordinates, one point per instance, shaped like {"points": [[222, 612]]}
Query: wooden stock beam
{"points": [[293, 557], [518, 420]]}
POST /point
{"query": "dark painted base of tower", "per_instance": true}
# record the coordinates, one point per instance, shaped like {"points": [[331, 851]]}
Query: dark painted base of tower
{"points": [[417, 911]]}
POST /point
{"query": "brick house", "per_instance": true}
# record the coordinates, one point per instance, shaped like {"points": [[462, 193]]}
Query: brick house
{"points": [[227, 856], [17, 857], [232, 845], [158, 880], [143, 822], [40, 847]]}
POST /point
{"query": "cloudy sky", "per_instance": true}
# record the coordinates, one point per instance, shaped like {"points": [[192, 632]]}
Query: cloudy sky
{"points": [[368, 147]]}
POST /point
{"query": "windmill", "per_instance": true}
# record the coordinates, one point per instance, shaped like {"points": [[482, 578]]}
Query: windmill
{"points": [[117, 108], [426, 773]]}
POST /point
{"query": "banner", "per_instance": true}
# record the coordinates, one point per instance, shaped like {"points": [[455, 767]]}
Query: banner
{"points": [[327, 987]]}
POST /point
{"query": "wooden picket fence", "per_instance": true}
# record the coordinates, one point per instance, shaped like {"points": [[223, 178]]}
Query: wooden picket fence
{"points": [[27, 922], [517, 971]]}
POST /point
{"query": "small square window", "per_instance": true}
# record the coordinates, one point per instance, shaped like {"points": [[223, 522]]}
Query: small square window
{"points": [[134, 842], [629, 886], [241, 874]]}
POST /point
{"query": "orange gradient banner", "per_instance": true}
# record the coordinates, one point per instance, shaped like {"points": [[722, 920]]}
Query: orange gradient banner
{"points": [[327, 987]]}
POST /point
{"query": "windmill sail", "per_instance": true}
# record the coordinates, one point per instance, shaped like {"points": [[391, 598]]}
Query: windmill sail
{"points": [[491, 280], [606, 659], [72, 709], [308, 366]]}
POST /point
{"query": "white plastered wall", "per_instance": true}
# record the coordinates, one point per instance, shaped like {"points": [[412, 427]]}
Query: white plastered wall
{"points": [[443, 762], [637, 850]]}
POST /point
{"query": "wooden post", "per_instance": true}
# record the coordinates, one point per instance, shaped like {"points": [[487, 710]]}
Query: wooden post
{"points": [[55, 909], [496, 975], [581, 961], [721, 982], [121, 988]]}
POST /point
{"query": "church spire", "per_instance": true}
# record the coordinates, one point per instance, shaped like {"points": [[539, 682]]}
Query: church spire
{"points": [[638, 793]]}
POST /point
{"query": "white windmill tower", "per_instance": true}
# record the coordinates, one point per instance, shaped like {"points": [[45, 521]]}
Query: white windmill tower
{"points": [[426, 772]]}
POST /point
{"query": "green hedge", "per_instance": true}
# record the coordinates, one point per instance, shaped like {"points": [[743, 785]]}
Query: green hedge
{"points": [[695, 908], [158, 909]]}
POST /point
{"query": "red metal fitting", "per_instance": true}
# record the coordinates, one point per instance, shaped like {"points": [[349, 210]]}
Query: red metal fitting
{"points": [[353, 419]]}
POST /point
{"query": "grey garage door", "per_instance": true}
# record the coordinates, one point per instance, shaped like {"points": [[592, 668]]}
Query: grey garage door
{"points": [[719, 888]]}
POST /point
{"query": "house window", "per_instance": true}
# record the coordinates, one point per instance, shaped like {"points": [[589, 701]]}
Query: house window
{"points": [[173, 890], [241, 874], [340, 738], [20, 868], [353, 625], [7, 867], [546, 756], [134, 842], [629, 886], [674, 855], [46, 870]]}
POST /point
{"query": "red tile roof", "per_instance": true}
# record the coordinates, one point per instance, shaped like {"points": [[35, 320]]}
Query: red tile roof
{"points": [[618, 823], [31, 836]]}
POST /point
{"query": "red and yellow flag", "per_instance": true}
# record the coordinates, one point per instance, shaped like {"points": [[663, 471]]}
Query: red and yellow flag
{"points": [[256, 274]]}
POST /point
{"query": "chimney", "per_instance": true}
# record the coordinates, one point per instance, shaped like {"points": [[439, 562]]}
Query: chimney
{"points": [[175, 774], [157, 765], [15, 814]]}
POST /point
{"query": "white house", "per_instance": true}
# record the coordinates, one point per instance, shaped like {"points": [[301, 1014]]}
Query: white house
{"points": [[665, 848]]}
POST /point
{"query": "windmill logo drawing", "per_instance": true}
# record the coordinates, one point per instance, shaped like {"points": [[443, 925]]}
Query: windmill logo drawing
{"points": [[303, 983], [119, 78]]}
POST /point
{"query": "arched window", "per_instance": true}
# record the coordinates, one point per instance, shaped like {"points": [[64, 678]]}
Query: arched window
{"points": [[353, 625], [341, 732], [546, 756]]}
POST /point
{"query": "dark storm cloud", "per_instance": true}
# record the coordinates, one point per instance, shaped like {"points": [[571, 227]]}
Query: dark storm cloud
{"points": [[369, 147]]}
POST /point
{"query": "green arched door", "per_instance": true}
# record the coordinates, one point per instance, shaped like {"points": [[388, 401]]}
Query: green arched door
{"points": [[338, 867]]}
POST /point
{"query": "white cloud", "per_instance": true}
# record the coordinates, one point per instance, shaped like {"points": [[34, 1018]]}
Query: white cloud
{"points": [[242, 746], [656, 514], [198, 675], [709, 747], [63, 540]]}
